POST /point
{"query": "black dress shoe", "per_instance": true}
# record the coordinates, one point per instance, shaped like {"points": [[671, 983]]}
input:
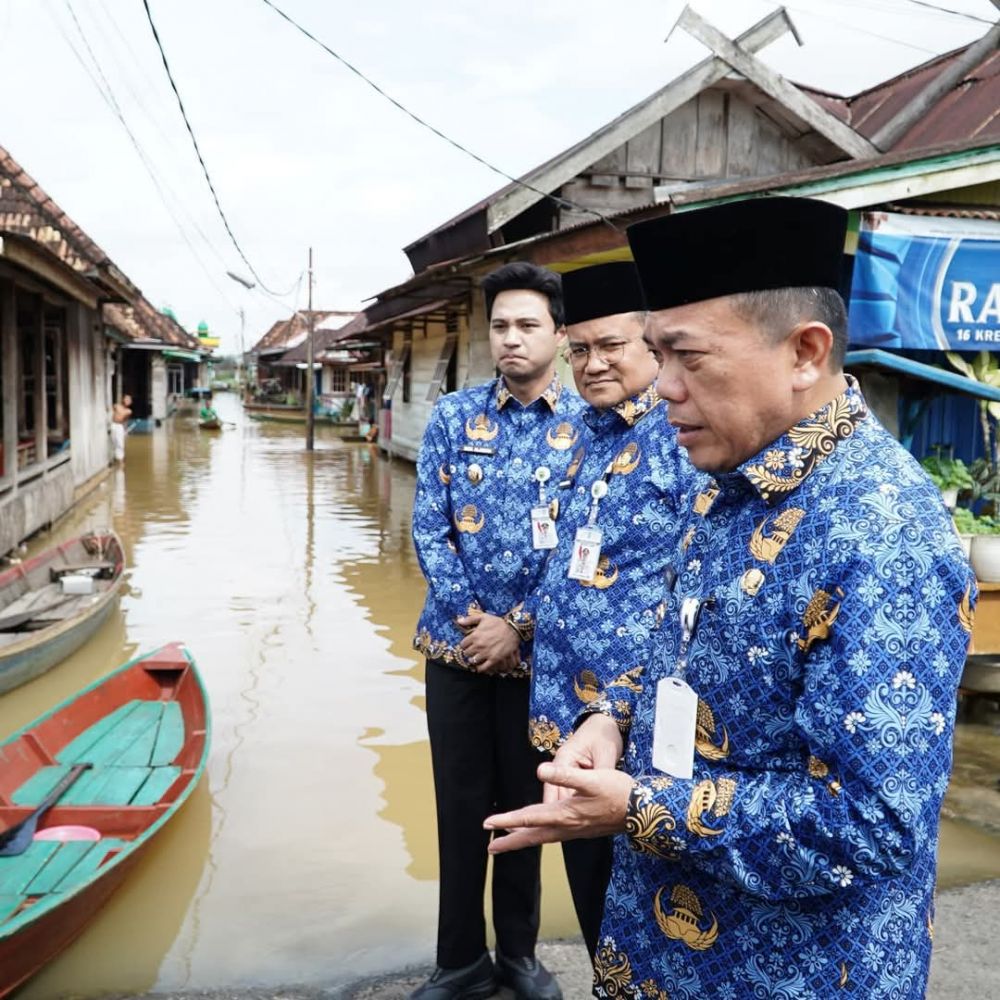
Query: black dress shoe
{"points": [[472, 982], [528, 978]]}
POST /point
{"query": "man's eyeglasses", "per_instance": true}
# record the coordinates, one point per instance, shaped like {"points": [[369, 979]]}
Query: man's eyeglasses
{"points": [[610, 354]]}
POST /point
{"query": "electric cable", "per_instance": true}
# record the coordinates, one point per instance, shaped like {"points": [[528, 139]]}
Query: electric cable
{"points": [[556, 199], [949, 10], [197, 149], [104, 89]]}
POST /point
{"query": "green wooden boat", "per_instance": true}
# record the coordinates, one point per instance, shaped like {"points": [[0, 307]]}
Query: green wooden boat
{"points": [[144, 730]]}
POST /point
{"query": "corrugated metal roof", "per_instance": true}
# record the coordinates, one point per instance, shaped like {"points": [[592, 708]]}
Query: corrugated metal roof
{"points": [[971, 110]]}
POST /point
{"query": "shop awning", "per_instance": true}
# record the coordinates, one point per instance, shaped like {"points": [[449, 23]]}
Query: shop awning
{"points": [[900, 365], [918, 385], [179, 355]]}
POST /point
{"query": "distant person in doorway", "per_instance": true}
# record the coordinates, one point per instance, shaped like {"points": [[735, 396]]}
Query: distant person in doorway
{"points": [[120, 414], [490, 468]]}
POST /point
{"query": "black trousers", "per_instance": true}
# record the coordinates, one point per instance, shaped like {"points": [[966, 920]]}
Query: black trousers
{"points": [[588, 870], [483, 763]]}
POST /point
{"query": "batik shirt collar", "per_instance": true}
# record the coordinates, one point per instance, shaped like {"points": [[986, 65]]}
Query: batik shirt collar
{"points": [[785, 464], [550, 395], [630, 411]]}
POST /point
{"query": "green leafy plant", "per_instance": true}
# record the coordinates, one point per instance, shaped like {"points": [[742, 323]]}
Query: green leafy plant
{"points": [[968, 524], [947, 473], [985, 369]]}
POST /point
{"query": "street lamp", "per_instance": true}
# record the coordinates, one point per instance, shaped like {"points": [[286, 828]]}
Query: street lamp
{"points": [[240, 280]]}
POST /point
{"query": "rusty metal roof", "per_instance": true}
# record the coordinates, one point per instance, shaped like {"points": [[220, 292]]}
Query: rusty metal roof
{"points": [[971, 110], [286, 334]]}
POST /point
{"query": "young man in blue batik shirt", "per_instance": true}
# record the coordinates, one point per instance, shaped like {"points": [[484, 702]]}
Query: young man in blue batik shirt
{"points": [[821, 611], [483, 520], [594, 622]]}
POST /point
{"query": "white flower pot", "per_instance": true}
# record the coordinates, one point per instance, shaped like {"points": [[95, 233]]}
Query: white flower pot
{"points": [[966, 542], [985, 557], [950, 497]]}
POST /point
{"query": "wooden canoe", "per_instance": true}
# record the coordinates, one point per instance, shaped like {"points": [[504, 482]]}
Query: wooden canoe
{"points": [[39, 624], [145, 729]]}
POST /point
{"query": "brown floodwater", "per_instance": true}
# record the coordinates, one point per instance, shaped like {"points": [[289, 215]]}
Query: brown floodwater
{"points": [[307, 855]]}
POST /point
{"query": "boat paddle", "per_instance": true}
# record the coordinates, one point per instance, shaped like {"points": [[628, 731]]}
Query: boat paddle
{"points": [[16, 839]]}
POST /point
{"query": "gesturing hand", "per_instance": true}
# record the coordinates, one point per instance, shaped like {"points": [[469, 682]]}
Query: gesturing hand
{"points": [[596, 745], [596, 806]]}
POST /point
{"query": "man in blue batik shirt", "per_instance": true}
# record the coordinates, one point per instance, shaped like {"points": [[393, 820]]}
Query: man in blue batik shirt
{"points": [[592, 630], [483, 519], [821, 612]]}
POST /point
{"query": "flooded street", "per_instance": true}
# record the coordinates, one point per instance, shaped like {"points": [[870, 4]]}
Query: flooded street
{"points": [[308, 855]]}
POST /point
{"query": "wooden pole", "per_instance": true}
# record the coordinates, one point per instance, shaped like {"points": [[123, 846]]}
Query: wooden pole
{"points": [[310, 377]]}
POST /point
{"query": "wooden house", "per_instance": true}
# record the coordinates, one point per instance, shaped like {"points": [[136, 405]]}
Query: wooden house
{"points": [[56, 363], [729, 120]]}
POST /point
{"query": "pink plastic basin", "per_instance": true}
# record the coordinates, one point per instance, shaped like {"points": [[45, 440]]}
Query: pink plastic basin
{"points": [[68, 832]]}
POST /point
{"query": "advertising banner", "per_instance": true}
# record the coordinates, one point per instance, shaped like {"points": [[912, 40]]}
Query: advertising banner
{"points": [[926, 283]]}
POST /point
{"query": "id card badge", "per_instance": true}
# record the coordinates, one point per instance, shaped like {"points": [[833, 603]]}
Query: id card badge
{"points": [[586, 553], [543, 528], [674, 728]]}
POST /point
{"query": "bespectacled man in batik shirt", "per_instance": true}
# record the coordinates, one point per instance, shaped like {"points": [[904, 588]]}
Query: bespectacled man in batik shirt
{"points": [[595, 614]]}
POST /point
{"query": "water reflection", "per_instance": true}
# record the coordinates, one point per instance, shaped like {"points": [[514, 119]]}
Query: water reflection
{"points": [[309, 853]]}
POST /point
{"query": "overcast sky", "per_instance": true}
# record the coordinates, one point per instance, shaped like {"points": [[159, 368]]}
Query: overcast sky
{"points": [[303, 153]]}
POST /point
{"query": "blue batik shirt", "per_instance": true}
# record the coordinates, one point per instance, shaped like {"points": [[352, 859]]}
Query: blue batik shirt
{"points": [[472, 511], [592, 637], [799, 861]]}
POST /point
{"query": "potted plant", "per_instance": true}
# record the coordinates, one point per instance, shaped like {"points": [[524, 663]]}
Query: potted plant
{"points": [[949, 475], [965, 522], [985, 549]]}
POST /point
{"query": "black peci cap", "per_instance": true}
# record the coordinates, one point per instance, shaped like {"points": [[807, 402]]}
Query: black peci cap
{"points": [[602, 290], [743, 246]]}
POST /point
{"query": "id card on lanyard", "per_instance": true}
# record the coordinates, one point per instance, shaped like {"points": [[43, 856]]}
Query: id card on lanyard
{"points": [[587, 542], [677, 705], [543, 525]]}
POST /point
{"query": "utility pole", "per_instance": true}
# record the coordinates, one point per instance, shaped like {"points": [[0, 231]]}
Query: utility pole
{"points": [[241, 358], [310, 376]]}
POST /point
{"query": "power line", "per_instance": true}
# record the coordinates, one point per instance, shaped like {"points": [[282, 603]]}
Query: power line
{"points": [[557, 199], [197, 149], [864, 31], [948, 10], [109, 98]]}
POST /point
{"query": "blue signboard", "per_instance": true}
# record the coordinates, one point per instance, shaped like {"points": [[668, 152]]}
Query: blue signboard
{"points": [[926, 283]]}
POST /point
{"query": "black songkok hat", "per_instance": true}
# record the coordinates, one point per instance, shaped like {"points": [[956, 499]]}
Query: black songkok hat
{"points": [[602, 290], [743, 246]]}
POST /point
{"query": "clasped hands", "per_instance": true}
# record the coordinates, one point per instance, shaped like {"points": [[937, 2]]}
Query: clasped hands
{"points": [[490, 644], [584, 796]]}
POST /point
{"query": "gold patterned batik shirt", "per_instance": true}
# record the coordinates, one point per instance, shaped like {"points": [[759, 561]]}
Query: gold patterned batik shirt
{"points": [[799, 860], [592, 636], [471, 513]]}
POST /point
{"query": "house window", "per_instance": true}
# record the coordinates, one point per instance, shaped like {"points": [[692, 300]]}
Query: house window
{"points": [[175, 380], [56, 380], [338, 379], [29, 413], [444, 371], [399, 373], [4, 464]]}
